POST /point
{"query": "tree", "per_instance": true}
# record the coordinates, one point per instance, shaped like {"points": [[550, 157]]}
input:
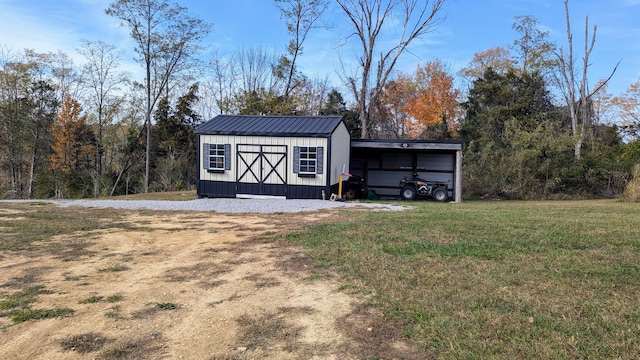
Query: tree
{"points": [[73, 146], [166, 37], [497, 58], [43, 109], [221, 84], [250, 83], [128, 144], [262, 102], [368, 19], [392, 107], [514, 144], [254, 68], [67, 146], [103, 81], [605, 111], [577, 100], [15, 82], [300, 17], [435, 101], [629, 105], [309, 96], [335, 105], [59, 69], [533, 47], [175, 145]]}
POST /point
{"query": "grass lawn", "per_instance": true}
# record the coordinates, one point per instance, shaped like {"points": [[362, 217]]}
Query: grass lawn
{"points": [[477, 280], [496, 279]]}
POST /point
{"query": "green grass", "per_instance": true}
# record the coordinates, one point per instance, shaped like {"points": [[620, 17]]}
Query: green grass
{"points": [[23, 298], [115, 298], [473, 280], [39, 314], [91, 300], [267, 330], [18, 306], [114, 268], [114, 312], [496, 279], [39, 222], [83, 343], [166, 306]]}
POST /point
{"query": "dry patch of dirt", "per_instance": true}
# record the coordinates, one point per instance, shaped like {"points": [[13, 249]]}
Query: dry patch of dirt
{"points": [[189, 286]]}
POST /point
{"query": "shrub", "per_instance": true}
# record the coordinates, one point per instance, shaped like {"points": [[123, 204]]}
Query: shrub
{"points": [[632, 190]]}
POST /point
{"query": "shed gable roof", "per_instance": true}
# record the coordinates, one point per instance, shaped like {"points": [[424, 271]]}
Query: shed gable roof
{"points": [[249, 125]]}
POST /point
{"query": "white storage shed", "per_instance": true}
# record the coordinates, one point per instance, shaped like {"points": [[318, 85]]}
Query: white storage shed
{"points": [[296, 157]]}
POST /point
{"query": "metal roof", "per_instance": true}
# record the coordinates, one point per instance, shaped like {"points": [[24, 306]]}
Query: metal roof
{"points": [[253, 125], [446, 145]]}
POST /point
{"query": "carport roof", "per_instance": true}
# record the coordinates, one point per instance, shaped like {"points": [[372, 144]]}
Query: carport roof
{"points": [[436, 145], [251, 125]]}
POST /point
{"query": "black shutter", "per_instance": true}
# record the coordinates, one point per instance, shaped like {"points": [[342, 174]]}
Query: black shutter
{"points": [[227, 156], [205, 157], [319, 160], [296, 159]]}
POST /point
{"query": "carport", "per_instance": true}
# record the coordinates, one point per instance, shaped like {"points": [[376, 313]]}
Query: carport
{"points": [[383, 163]]}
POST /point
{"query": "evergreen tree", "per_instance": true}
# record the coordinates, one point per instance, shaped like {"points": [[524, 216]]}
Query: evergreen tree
{"points": [[175, 146], [513, 140]]}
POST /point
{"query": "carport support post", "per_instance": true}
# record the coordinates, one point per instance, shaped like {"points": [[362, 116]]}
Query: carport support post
{"points": [[458, 183]]}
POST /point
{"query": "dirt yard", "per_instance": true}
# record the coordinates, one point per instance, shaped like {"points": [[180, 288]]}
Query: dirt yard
{"points": [[186, 285]]}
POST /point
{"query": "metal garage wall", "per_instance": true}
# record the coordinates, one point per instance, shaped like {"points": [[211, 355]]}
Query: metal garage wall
{"points": [[384, 176]]}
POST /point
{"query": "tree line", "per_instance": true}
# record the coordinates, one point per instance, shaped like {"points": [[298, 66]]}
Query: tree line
{"points": [[531, 125]]}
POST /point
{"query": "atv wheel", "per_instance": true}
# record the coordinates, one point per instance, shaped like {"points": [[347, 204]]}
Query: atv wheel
{"points": [[408, 193], [440, 194], [351, 194]]}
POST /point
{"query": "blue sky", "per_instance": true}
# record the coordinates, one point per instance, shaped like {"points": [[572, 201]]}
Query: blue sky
{"points": [[470, 26]]}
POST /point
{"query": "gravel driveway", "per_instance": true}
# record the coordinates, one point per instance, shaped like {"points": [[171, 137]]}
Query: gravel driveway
{"points": [[224, 205]]}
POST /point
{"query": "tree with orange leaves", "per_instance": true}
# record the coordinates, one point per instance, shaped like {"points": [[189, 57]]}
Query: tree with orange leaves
{"points": [[434, 105], [391, 108], [73, 147]]}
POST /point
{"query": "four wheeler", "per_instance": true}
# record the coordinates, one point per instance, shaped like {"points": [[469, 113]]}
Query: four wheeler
{"points": [[415, 186]]}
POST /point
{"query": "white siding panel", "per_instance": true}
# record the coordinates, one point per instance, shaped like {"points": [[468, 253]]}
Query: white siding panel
{"points": [[294, 179], [340, 152], [228, 175]]}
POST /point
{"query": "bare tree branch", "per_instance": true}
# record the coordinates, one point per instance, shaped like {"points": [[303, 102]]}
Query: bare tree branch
{"points": [[368, 18]]}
